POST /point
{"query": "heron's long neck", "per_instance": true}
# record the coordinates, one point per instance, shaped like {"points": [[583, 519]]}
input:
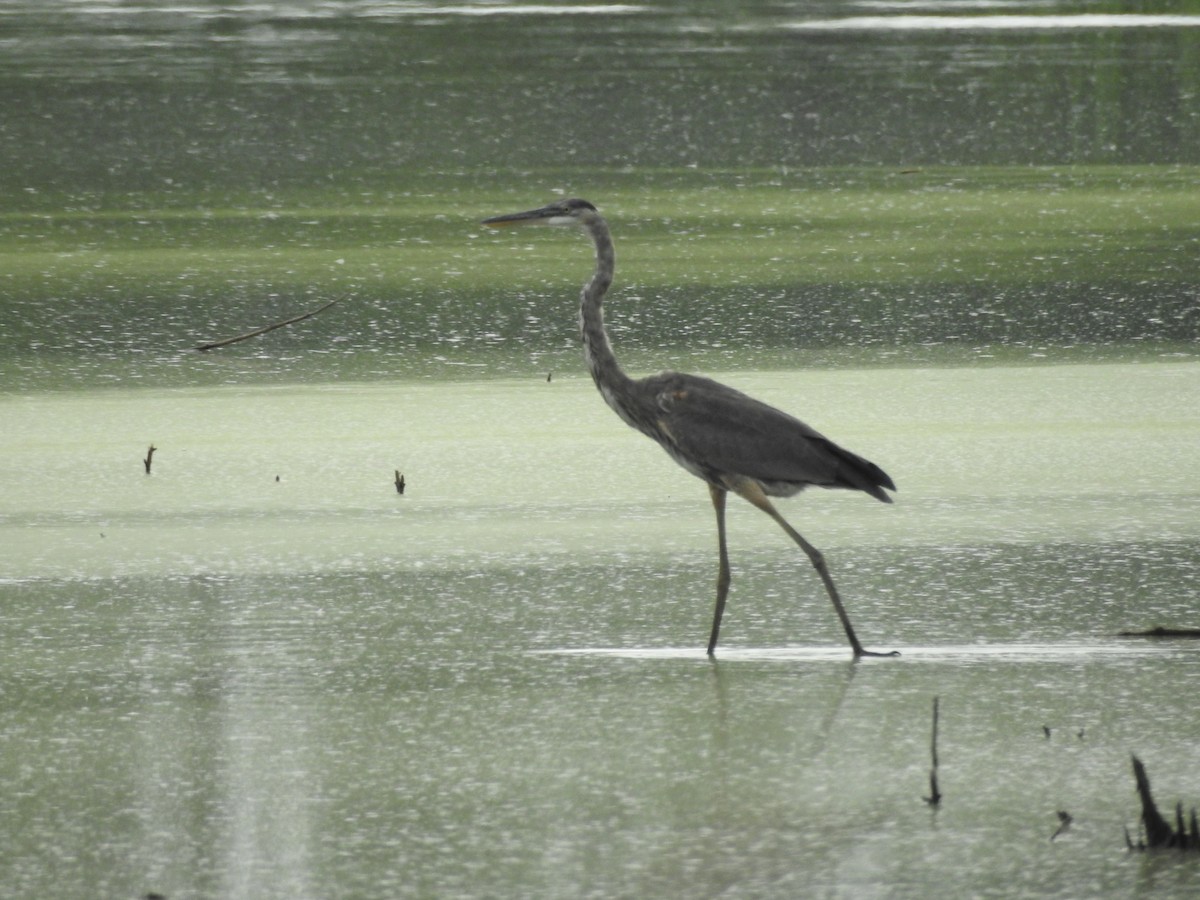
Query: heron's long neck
{"points": [[596, 349]]}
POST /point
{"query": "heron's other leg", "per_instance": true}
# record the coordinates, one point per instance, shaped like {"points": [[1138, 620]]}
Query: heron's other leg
{"points": [[755, 495], [718, 501]]}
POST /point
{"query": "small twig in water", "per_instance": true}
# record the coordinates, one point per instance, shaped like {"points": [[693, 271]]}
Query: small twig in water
{"points": [[1064, 822], [149, 460]]}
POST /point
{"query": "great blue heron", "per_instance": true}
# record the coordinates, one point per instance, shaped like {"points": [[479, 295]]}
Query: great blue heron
{"points": [[729, 440]]}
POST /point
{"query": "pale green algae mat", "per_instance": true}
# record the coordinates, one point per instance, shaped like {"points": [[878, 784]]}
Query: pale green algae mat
{"points": [[261, 653]]}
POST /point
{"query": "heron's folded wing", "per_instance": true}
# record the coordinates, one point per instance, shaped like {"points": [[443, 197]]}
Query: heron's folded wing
{"points": [[726, 431]]}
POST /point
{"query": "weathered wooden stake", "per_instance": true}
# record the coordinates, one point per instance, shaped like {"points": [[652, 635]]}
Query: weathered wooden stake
{"points": [[935, 796]]}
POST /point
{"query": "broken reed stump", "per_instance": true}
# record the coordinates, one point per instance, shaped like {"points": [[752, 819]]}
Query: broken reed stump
{"points": [[399, 482], [935, 796], [213, 345], [149, 460], [1158, 832], [1064, 823]]}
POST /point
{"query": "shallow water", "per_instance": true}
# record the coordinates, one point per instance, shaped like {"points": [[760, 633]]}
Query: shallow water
{"points": [[959, 240], [220, 684]]}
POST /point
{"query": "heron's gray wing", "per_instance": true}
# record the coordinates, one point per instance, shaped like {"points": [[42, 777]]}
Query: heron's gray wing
{"points": [[721, 430]]}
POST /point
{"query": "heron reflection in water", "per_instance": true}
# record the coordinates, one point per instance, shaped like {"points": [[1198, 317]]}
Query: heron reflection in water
{"points": [[730, 441]]}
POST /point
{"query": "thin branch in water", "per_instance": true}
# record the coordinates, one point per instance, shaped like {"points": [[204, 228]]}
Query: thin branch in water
{"points": [[149, 460], [213, 345]]}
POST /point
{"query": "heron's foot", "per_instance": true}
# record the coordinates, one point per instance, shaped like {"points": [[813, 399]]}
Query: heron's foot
{"points": [[859, 651]]}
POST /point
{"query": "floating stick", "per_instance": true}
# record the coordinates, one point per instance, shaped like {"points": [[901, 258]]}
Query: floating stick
{"points": [[1161, 632], [213, 345]]}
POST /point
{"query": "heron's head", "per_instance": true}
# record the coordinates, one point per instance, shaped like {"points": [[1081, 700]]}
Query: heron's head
{"points": [[561, 212]]}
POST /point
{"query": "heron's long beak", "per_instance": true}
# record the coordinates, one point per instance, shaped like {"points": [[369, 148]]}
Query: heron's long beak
{"points": [[529, 217]]}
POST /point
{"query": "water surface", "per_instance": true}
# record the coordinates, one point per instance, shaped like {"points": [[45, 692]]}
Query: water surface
{"points": [[960, 240], [314, 686]]}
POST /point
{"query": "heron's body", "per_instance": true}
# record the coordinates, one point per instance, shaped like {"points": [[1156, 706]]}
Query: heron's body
{"points": [[708, 427], [722, 436]]}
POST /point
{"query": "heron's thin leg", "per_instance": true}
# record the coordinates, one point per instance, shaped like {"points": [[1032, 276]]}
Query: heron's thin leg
{"points": [[755, 495], [718, 500]]}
